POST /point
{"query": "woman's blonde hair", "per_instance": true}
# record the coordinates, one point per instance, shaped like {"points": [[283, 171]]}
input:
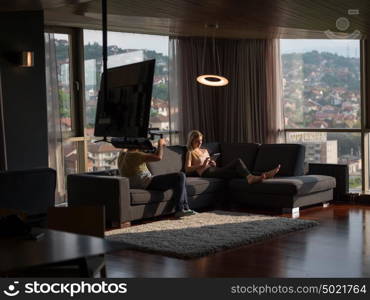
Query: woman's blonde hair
{"points": [[191, 136]]}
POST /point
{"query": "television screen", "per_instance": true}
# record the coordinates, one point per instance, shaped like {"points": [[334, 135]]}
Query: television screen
{"points": [[126, 110]]}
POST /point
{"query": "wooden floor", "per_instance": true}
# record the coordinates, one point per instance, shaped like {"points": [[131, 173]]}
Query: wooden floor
{"points": [[338, 247]]}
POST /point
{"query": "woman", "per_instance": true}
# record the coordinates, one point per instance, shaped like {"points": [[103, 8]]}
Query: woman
{"points": [[132, 164], [198, 160]]}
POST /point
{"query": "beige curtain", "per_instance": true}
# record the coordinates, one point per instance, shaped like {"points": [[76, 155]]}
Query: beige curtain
{"points": [[55, 139], [175, 94], [275, 119], [246, 110], [3, 158]]}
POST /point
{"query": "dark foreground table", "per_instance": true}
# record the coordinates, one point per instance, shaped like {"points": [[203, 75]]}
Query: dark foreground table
{"points": [[17, 253]]}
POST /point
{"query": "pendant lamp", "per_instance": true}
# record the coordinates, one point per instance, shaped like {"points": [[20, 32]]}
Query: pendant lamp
{"points": [[212, 79]]}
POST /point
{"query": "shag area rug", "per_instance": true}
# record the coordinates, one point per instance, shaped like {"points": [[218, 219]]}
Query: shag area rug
{"points": [[205, 233]]}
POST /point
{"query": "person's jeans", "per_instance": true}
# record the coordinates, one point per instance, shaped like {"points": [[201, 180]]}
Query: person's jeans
{"points": [[175, 181], [234, 169]]}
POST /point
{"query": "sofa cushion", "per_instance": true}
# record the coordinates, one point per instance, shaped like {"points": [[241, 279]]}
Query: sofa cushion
{"points": [[173, 161], [212, 147], [298, 185], [289, 156], [141, 196], [198, 185], [110, 172], [246, 151]]}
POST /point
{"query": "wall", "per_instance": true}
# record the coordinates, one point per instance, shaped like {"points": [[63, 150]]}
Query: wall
{"points": [[24, 90], [3, 166]]}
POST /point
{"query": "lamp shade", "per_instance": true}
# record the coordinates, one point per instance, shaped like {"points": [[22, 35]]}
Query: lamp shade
{"points": [[212, 80]]}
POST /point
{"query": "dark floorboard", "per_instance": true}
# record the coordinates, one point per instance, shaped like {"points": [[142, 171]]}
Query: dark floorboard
{"points": [[338, 247]]}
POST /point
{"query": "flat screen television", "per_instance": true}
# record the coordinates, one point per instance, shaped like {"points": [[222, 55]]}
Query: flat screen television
{"points": [[126, 110]]}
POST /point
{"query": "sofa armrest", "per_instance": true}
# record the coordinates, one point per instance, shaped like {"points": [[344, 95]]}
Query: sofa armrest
{"points": [[111, 191], [31, 191], [339, 172], [110, 172]]}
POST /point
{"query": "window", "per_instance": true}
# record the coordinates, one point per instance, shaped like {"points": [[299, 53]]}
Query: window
{"points": [[72, 106], [123, 48], [322, 101], [332, 148], [63, 62], [321, 83]]}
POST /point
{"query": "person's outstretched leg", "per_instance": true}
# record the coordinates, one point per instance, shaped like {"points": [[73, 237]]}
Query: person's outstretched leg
{"points": [[239, 166], [175, 181], [272, 173], [255, 178], [182, 202], [243, 171], [234, 169]]}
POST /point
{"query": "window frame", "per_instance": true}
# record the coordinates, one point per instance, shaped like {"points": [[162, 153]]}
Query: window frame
{"points": [[77, 78], [364, 130]]}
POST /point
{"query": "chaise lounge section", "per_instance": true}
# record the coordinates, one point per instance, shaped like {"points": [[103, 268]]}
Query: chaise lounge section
{"points": [[291, 189]]}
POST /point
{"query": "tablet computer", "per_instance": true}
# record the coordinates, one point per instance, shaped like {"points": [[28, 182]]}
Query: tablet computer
{"points": [[215, 156]]}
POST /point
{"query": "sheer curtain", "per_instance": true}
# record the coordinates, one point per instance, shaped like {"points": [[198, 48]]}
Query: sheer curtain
{"points": [[246, 110], [175, 95], [275, 117], [55, 139]]}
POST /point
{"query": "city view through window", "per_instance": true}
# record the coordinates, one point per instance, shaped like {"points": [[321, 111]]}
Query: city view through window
{"points": [[322, 90], [123, 48]]}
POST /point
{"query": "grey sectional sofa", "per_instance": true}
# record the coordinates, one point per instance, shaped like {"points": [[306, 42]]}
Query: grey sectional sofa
{"points": [[294, 186]]}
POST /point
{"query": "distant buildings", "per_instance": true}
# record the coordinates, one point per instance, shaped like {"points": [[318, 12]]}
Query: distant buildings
{"points": [[318, 148], [102, 156], [159, 121], [324, 152], [160, 107], [326, 89]]}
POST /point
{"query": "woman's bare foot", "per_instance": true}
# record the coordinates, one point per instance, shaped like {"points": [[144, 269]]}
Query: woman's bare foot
{"points": [[255, 179], [272, 173]]}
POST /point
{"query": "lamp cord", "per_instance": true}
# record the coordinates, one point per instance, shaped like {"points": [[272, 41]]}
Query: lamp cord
{"points": [[214, 49], [216, 57], [204, 50], [218, 63], [215, 54]]}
